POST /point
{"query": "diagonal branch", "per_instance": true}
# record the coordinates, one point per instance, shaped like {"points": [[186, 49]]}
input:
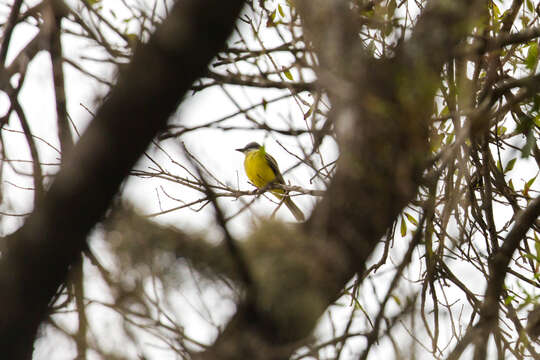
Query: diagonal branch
{"points": [[6, 38], [36, 259], [53, 15], [498, 269], [381, 109]]}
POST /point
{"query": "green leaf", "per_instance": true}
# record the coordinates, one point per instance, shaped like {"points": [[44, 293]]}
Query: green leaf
{"points": [[445, 111], [133, 39], [529, 145], [411, 219], [403, 227], [525, 124], [530, 6], [508, 300], [536, 103], [371, 47], [511, 185], [288, 74], [92, 2], [280, 9], [524, 21], [392, 5], [530, 257], [396, 299], [436, 142], [264, 103], [501, 130], [308, 113], [528, 186], [496, 11], [510, 165], [271, 22], [387, 28], [532, 57], [449, 138]]}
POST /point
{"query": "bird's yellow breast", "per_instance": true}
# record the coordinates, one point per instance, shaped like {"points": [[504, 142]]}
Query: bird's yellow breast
{"points": [[257, 169]]}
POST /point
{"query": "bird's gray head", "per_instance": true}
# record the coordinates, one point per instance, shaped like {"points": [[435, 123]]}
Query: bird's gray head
{"points": [[251, 146]]}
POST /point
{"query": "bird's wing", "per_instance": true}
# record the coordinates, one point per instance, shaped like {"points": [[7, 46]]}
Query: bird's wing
{"points": [[274, 166]]}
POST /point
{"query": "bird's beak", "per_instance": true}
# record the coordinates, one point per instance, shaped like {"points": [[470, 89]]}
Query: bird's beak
{"points": [[241, 150]]}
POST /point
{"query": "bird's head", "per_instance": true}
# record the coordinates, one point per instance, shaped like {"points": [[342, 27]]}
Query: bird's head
{"points": [[249, 147]]}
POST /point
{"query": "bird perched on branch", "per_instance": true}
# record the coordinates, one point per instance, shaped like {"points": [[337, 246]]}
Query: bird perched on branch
{"points": [[262, 170]]}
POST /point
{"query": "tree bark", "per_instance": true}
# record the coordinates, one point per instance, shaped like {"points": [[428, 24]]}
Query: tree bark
{"points": [[380, 110], [36, 259]]}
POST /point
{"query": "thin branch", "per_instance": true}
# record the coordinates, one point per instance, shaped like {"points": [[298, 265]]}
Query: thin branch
{"points": [[6, 38]]}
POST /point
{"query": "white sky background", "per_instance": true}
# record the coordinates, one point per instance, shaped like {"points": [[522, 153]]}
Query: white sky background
{"points": [[215, 149]]}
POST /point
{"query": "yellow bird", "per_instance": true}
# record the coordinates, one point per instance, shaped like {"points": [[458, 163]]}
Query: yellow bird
{"points": [[262, 169]]}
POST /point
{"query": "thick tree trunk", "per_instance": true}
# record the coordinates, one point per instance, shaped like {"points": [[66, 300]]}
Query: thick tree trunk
{"points": [[36, 259]]}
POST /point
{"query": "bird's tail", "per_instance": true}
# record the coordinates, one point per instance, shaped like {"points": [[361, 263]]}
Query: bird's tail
{"points": [[298, 214]]}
